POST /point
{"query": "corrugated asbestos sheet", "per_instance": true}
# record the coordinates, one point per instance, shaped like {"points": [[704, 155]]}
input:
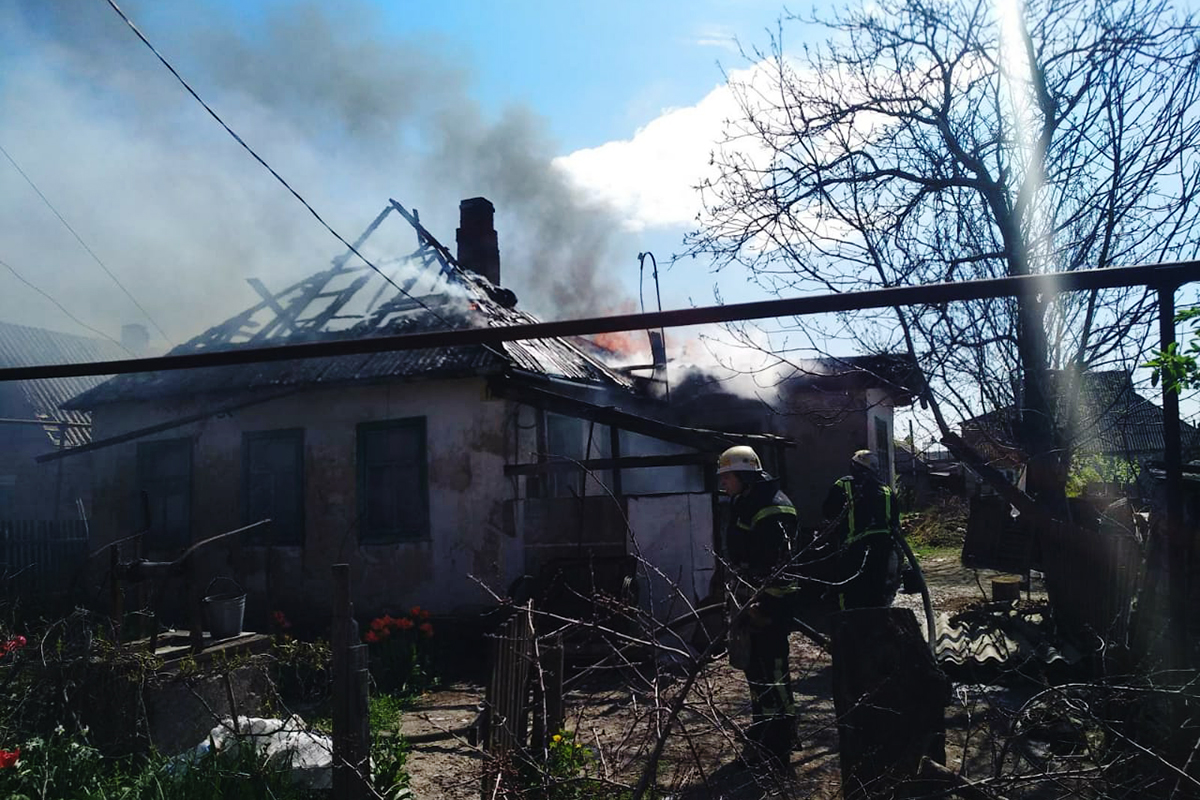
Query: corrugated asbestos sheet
{"points": [[22, 346], [1002, 635], [354, 303]]}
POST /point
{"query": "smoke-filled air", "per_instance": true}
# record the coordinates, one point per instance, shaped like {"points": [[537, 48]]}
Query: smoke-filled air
{"points": [[181, 215]]}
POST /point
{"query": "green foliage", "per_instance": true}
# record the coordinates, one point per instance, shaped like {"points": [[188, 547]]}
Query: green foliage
{"points": [[389, 754], [567, 762], [384, 711], [1178, 369], [65, 766], [1086, 469]]}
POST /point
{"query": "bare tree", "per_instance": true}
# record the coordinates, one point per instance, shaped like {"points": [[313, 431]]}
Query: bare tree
{"points": [[939, 140]]}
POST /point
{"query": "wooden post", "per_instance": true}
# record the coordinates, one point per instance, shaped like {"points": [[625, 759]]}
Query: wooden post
{"points": [[195, 604], [553, 661], [890, 698], [351, 727], [117, 594], [547, 695]]}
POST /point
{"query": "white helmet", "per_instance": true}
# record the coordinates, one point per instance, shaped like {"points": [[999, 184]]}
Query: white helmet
{"points": [[865, 458], [739, 459]]}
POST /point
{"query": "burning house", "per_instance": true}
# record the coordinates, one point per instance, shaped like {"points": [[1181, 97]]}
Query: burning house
{"points": [[828, 407], [439, 475]]}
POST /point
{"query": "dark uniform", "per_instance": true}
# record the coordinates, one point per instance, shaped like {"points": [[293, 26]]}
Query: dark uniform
{"points": [[867, 556], [762, 526]]}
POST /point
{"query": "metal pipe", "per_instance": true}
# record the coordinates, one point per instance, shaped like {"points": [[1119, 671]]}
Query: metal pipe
{"points": [[1051, 283], [55, 422], [1177, 540]]}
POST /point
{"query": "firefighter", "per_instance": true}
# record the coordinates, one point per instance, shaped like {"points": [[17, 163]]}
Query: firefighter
{"points": [[868, 518], [758, 541]]}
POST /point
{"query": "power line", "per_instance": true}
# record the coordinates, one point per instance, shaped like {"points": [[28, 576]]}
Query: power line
{"points": [[267, 166], [62, 308], [79, 239]]}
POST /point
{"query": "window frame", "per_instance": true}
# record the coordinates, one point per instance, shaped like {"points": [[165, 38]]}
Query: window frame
{"points": [[423, 531], [142, 468], [270, 537]]}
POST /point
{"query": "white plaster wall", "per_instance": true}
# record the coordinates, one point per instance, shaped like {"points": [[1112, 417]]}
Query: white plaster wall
{"points": [[466, 451], [673, 536], [879, 405]]}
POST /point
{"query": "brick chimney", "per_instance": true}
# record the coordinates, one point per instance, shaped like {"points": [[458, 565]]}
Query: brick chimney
{"points": [[478, 245]]}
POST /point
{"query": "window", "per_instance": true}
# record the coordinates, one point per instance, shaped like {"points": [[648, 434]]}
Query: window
{"points": [[165, 475], [883, 449], [393, 489], [273, 485]]}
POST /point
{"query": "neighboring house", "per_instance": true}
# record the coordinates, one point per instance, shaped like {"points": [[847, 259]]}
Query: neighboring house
{"points": [[32, 424], [1111, 424], [440, 475], [829, 407]]}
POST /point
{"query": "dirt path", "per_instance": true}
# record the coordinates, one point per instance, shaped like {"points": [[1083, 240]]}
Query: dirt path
{"points": [[616, 720]]}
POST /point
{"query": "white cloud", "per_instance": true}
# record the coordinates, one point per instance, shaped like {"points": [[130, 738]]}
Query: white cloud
{"points": [[652, 178]]}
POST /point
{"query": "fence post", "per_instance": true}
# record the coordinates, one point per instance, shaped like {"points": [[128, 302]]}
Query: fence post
{"points": [[351, 726]]}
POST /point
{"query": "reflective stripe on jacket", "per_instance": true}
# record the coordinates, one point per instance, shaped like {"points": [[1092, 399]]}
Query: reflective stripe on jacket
{"points": [[853, 533]]}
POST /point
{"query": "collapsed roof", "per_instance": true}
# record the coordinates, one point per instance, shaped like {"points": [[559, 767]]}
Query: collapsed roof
{"points": [[427, 290]]}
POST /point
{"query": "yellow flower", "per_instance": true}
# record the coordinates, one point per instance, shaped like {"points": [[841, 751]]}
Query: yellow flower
{"points": [[577, 746], [556, 738]]}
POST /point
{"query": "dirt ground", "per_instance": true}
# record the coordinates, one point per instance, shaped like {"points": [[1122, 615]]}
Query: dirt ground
{"points": [[615, 719]]}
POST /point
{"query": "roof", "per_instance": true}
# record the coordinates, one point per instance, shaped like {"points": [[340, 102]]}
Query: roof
{"points": [[23, 346], [898, 374], [1111, 418], [424, 291]]}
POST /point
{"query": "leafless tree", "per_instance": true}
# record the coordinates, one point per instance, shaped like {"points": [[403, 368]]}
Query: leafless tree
{"points": [[940, 140]]}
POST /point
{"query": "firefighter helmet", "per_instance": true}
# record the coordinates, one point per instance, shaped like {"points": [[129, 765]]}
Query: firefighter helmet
{"points": [[739, 459], [866, 459]]}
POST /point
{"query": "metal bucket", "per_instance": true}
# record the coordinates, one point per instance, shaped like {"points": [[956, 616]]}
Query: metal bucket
{"points": [[224, 613]]}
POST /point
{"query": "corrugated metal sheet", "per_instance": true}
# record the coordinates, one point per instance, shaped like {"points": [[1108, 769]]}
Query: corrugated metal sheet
{"points": [[366, 306], [23, 346]]}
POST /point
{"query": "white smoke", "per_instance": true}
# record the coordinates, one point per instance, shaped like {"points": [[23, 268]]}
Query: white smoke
{"points": [[182, 215]]}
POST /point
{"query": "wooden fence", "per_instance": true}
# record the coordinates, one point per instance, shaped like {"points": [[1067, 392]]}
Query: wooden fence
{"points": [[40, 559], [519, 669]]}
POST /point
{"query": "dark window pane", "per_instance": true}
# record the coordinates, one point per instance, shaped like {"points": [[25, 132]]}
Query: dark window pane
{"points": [[273, 485], [392, 483], [165, 475]]}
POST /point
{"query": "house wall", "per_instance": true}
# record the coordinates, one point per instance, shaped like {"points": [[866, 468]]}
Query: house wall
{"points": [[471, 532], [829, 426], [672, 537]]}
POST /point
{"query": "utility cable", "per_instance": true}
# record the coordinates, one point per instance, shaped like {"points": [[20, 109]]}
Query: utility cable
{"points": [[82, 243], [61, 307], [264, 164]]}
